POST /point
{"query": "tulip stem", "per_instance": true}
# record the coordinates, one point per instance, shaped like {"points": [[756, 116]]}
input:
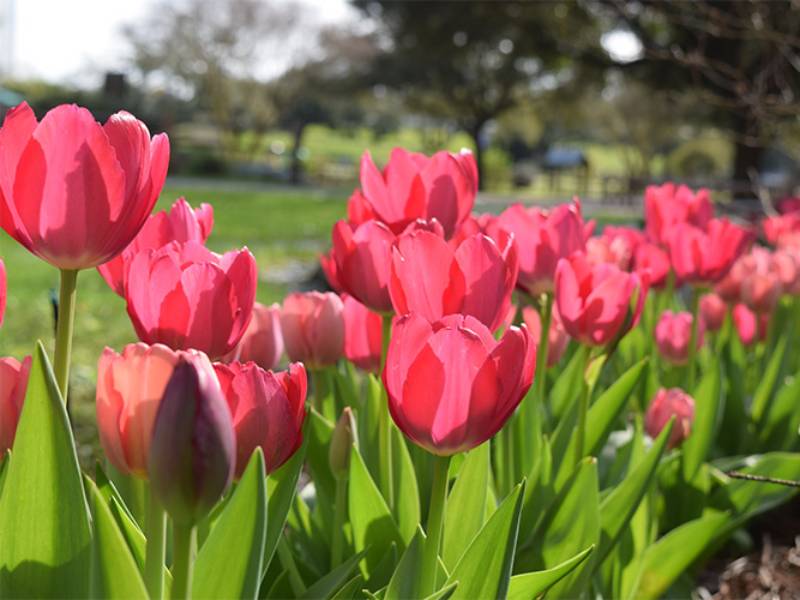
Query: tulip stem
{"points": [[385, 427], [287, 560], [156, 524], [542, 350], [695, 305], [583, 406], [64, 326], [339, 513], [438, 502], [183, 543]]}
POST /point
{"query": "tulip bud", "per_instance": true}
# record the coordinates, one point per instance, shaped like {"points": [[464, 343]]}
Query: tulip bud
{"points": [[673, 336], [193, 450], [341, 443], [713, 310], [668, 403]]}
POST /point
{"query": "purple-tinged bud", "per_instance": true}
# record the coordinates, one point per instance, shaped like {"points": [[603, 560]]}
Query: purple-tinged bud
{"points": [[342, 444], [193, 448]]}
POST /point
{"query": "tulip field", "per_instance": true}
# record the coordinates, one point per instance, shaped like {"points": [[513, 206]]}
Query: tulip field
{"points": [[515, 405]]}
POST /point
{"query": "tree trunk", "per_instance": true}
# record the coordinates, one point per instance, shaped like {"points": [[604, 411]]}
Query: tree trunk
{"points": [[748, 151], [476, 132], [296, 169]]}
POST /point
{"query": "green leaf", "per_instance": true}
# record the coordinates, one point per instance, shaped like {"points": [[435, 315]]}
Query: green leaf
{"points": [[403, 583], [466, 505], [44, 518], [780, 422], [527, 586], [281, 490], [350, 590], [229, 563], [766, 386], [406, 508], [327, 586], [484, 570], [115, 573], [318, 434], [707, 399], [617, 509], [567, 386], [444, 593]]}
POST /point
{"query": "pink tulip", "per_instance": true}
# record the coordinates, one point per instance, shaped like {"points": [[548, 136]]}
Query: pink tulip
{"points": [[483, 223], [761, 284], [787, 265], [668, 403], [358, 209], [129, 389], [713, 310], [74, 192], [669, 205], [185, 296], [313, 328], [557, 338], [779, 228], [13, 385], [363, 335], [414, 186], [673, 335], [750, 327], [262, 342], [655, 261], [180, 224], [268, 410], [542, 237], [595, 301], [3, 291], [729, 288], [616, 251], [706, 256], [431, 278], [633, 236], [328, 266], [451, 385]]}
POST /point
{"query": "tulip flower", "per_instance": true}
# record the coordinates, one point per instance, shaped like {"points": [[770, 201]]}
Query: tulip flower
{"points": [[713, 310], [557, 338], [780, 227], [542, 237], [729, 288], [431, 278], [262, 342], [761, 286], [267, 409], [129, 390], [673, 335], [706, 256], [668, 403], [750, 326], [598, 304], [482, 223], [616, 251], [634, 237], [787, 265], [451, 385], [363, 335], [180, 224], [358, 209], [313, 328], [669, 205], [13, 385], [3, 291], [414, 186], [193, 445], [74, 192], [185, 296], [655, 261], [328, 266]]}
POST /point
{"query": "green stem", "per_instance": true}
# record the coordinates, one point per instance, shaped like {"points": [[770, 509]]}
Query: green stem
{"points": [[539, 381], [438, 502], [156, 529], [339, 514], [385, 427], [287, 560], [64, 327], [183, 547], [695, 305], [583, 407]]}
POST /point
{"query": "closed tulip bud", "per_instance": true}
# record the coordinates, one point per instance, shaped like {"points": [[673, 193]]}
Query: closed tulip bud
{"points": [[673, 335], [193, 448], [655, 261], [668, 205], [13, 385], [668, 403], [713, 310], [761, 283], [363, 335], [185, 296], [262, 342], [268, 410], [180, 224], [74, 192], [557, 338], [313, 328], [451, 385], [706, 256], [750, 326], [341, 444], [3, 291]]}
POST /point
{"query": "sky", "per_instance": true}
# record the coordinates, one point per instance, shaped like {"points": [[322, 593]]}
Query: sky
{"points": [[77, 40]]}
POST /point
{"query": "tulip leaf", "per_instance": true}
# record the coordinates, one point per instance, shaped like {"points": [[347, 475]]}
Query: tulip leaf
{"points": [[780, 423], [444, 593], [115, 573], [407, 509], [766, 386], [707, 400], [406, 577], [349, 590], [484, 570], [531, 585], [567, 386], [466, 506], [318, 432], [44, 517], [281, 490], [229, 563], [328, 586]]}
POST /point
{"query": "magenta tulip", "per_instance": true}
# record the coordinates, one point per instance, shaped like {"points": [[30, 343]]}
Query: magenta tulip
{"points": [[700, 256], [363, 335], [13, 385], [262, 342], [673, 335], [666, 404], [669, 205], [313, 328]]}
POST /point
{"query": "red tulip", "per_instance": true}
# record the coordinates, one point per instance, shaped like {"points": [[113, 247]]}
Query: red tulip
{"points": [[74, 192], [3, 291], [557, 338], [706, 256], [328, 266], [268, 410], [668, 205], [483, 223], [180, 224], [633, 236], [13, 385], [451, 385], [129, 389], [779, 228], [594, 301], [673, 336], [542, 237], [414, 186], [729, 288], [616, 251], [713, 310], [262, 342], [313, 328], [655, 261], [668, 403], [761, 284], [431, 278], [363, 335], [185, 296], [749, 326]]}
